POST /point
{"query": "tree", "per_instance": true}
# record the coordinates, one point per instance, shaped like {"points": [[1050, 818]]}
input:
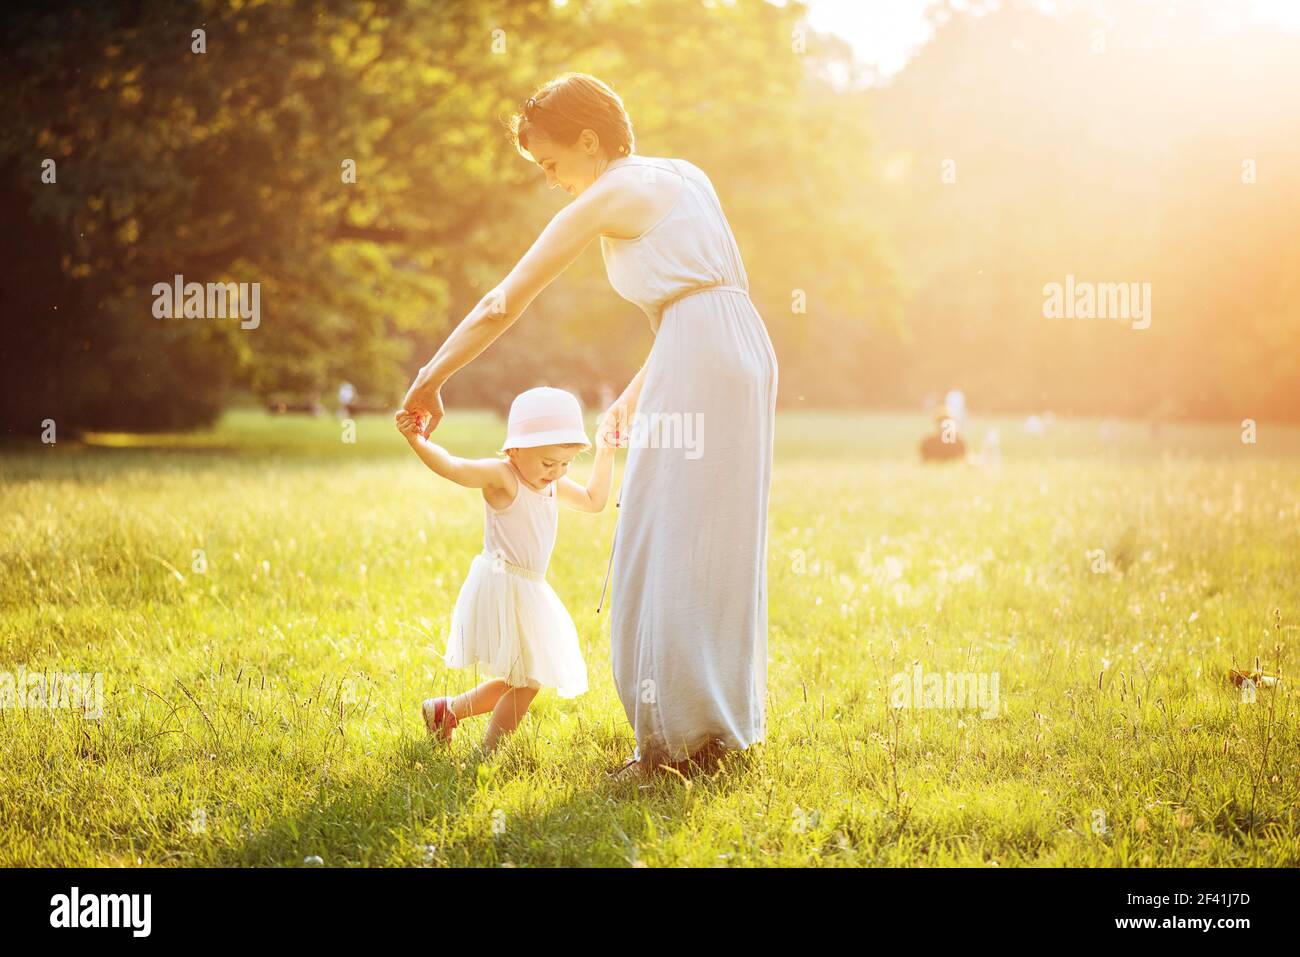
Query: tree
{"points": [[350, 158]]}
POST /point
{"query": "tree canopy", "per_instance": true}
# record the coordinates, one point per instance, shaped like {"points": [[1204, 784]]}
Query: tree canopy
{"points": [[231, 165], [352, 159]]}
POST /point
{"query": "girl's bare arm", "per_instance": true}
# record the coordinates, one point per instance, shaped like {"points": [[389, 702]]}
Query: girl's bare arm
{"points": [[471, 473], [595, 494]]}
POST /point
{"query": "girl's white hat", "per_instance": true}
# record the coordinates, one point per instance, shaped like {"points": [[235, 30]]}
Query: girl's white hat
{"points": [[545, 416]]}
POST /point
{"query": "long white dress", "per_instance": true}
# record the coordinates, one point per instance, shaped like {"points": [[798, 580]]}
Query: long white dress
{"points": [[688, 612]]}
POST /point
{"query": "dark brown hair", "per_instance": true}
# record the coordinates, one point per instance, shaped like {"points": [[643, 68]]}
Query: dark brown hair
{"points": [[569, 104]]}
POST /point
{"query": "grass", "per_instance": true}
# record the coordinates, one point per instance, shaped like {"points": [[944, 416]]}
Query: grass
{"points": [[266, 604]]}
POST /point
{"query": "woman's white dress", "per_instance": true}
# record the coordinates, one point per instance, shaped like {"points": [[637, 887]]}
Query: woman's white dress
{"points": [[507, 618], [689, 581]]}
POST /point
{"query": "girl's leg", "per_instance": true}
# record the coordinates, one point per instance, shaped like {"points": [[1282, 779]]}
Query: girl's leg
{"points": [[507, 714], [479, 700]]}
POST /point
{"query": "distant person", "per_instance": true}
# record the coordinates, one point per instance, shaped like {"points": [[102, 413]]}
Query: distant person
{"points": [[347, 392], [955, 401], [945, 444]]}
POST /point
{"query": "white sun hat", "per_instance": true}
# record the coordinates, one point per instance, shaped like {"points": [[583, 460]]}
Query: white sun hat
{"points": [[545, 416]]}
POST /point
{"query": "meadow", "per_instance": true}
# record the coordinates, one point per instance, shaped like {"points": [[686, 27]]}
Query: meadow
{"points": [[266, 604]]}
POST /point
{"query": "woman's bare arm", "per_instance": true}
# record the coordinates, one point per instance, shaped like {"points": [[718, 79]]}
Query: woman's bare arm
{"points": [[616, 423], [602, 208], [632, 394]]}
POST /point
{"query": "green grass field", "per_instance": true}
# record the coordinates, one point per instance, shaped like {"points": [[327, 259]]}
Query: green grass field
{"points": [[266, 605]]}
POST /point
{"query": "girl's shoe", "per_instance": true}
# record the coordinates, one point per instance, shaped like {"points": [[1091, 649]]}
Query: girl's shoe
{"points": [[439, 719]]}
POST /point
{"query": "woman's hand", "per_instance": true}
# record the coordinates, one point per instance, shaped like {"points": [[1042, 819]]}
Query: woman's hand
{"points": [[612, 429], [424, 401], [615, 424], [605, 438]]}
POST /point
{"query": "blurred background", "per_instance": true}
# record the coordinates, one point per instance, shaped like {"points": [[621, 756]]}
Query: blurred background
{"points": [[903, 179]]}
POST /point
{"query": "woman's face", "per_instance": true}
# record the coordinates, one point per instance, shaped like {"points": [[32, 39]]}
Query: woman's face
{"points": [[571, 168]]}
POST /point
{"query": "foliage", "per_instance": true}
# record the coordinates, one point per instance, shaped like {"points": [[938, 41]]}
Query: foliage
{"points": [[228, 165]]}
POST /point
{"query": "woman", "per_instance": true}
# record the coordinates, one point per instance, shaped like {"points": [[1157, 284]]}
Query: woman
{"points": [[689, 600]]}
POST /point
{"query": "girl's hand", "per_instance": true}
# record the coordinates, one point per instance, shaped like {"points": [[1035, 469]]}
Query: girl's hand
{"points": [[408, 424]]}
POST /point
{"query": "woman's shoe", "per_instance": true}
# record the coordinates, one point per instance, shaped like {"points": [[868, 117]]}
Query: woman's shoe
{"points": [[439, 719], [630, 770], [708, 758]]}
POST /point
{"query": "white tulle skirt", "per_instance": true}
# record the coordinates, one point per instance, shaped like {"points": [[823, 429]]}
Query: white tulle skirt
{"points": [[510, 623]]}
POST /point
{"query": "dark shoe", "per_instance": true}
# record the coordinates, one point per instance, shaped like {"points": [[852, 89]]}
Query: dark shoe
{"points": [[629, 769], [704, 760]]}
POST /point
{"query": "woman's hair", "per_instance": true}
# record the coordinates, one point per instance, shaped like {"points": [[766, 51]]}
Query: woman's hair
{"points": [[569, 104]]}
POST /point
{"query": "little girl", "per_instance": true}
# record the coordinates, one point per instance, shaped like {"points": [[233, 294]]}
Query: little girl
{"points": [[507, 617]]}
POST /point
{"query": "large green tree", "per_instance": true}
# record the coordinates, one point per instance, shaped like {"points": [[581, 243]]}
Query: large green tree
{"points": [[229, 165]]}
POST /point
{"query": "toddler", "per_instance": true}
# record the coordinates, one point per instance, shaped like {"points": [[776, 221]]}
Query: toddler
{"points": [[507, 617]]}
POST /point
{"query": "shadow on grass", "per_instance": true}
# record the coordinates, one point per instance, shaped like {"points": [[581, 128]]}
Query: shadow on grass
{"points": [[437, 807]]}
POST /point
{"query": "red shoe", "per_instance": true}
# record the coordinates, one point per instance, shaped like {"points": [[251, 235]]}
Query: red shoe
{"points": [[439, 719]]}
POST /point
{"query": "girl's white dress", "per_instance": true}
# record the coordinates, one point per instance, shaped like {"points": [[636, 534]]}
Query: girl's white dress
{"points": [[507, 617]]}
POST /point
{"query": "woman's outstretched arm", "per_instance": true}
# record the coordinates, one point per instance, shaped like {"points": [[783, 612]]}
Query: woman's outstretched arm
{"points": [[561, 242]]}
